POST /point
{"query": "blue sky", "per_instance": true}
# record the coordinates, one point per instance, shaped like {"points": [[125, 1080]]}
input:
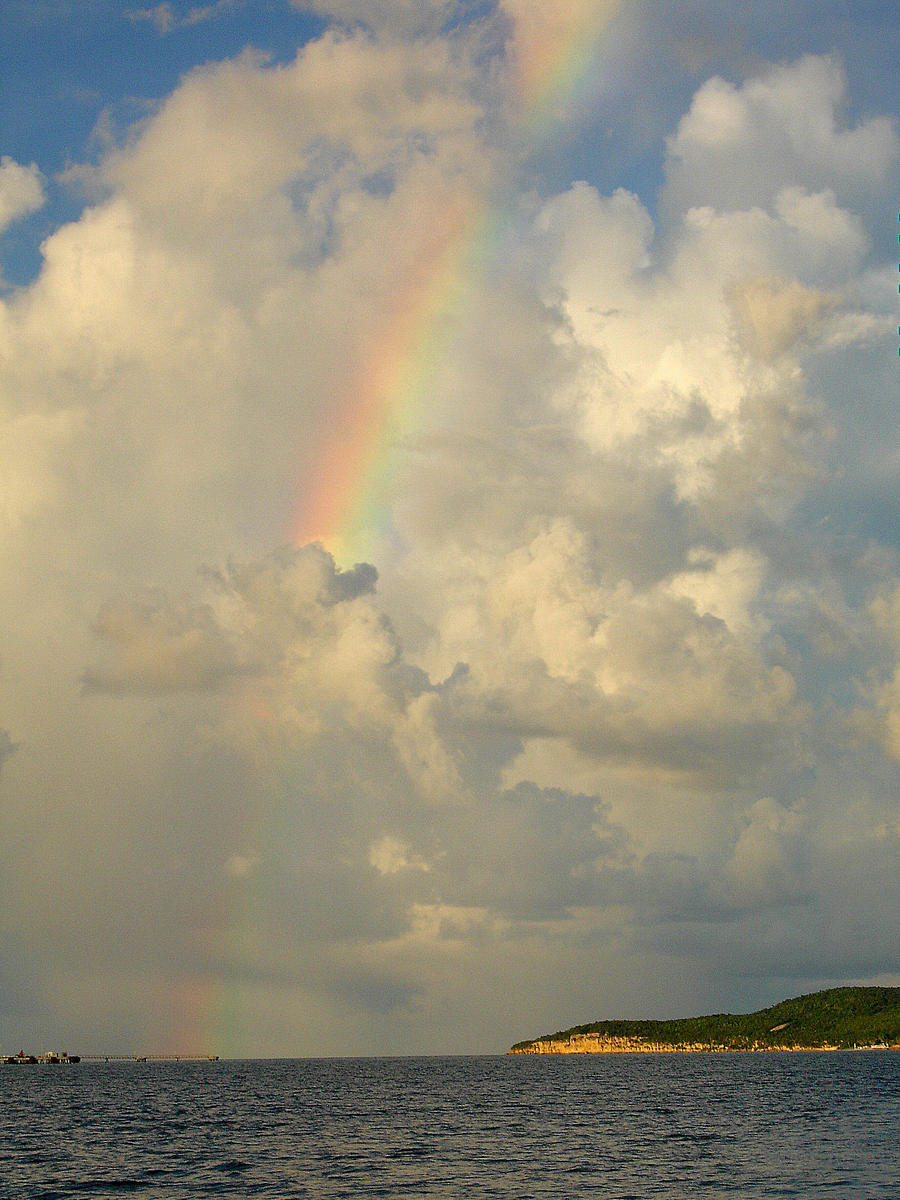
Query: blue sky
{"points": [[67, 67], [583, 697], [71, 70]]}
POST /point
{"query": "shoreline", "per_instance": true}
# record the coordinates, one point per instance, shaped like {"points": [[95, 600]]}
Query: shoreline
{"points": [[600, 1044]]}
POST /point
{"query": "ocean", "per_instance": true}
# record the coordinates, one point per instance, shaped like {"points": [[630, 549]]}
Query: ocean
{"points": [[623, 1127]]}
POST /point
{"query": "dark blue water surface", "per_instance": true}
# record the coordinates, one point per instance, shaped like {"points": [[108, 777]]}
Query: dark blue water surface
{"points": [[696, 1125]]}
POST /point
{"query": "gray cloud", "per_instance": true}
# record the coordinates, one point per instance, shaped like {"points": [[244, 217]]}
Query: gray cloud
{"points": [[7, 746], [530, 854], [160, 646]]}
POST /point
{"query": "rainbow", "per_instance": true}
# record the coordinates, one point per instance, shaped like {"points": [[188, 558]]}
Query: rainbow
{"points": [[556, 62], [377, 407], [379, 403]]}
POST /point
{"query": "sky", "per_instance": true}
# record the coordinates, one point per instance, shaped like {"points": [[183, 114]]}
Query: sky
{"points": [[449, 522]]}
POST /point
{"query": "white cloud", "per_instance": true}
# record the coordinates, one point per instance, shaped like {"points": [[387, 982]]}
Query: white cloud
{"points": [[724, 586], [405, 17], [232, 138], [739, 146], [32, 448], [165, 19], [389, 855], [161, 16], [21, 191], [606, 633]]}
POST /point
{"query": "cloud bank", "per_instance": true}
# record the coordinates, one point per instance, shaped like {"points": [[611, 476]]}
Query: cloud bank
{"points": [[608, 721]]}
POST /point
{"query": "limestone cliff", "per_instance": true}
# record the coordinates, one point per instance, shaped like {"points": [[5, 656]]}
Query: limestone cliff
{"points": [[835, 1019], [598, 1043]]}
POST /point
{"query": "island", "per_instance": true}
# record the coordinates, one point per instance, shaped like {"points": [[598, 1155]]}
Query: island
{"points": [[844, 1018]]}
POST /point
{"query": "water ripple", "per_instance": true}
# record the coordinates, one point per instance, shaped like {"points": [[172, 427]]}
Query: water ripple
{"points": [[706, 1127]]}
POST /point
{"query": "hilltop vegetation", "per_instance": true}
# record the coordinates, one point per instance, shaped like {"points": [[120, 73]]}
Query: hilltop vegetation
{"points": [[843, 1017]]}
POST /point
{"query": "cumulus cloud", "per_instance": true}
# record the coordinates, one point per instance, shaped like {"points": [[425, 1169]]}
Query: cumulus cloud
{"points": [[775, 314], [880, 718], [738, 146], [658, 368], [21, 190], [642, 675], [319, 658], [160, 646], [345, 108], [769, 863], [389, 855], [255, 611], [31, 445], [598, 688], [528, 854]]}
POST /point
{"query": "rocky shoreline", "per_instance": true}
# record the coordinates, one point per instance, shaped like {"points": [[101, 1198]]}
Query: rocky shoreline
{"points": [[594, 1043], [844, 1018]]}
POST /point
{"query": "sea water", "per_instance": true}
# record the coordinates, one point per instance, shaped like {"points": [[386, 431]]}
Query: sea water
{"points": [[618, 1126]]}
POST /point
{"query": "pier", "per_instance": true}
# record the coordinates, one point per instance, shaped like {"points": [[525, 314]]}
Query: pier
{"points": [[22, 1059], [149, 1058]]}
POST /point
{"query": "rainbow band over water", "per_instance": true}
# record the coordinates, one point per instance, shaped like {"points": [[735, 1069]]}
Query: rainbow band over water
{"points": [[379, 405]]}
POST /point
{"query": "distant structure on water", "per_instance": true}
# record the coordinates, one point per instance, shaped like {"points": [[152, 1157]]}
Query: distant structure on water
{"points": [[23, 1059], [51, 1056]]}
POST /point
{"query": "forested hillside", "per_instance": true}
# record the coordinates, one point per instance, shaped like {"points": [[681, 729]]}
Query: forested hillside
{"points": [[839, 1017]]}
